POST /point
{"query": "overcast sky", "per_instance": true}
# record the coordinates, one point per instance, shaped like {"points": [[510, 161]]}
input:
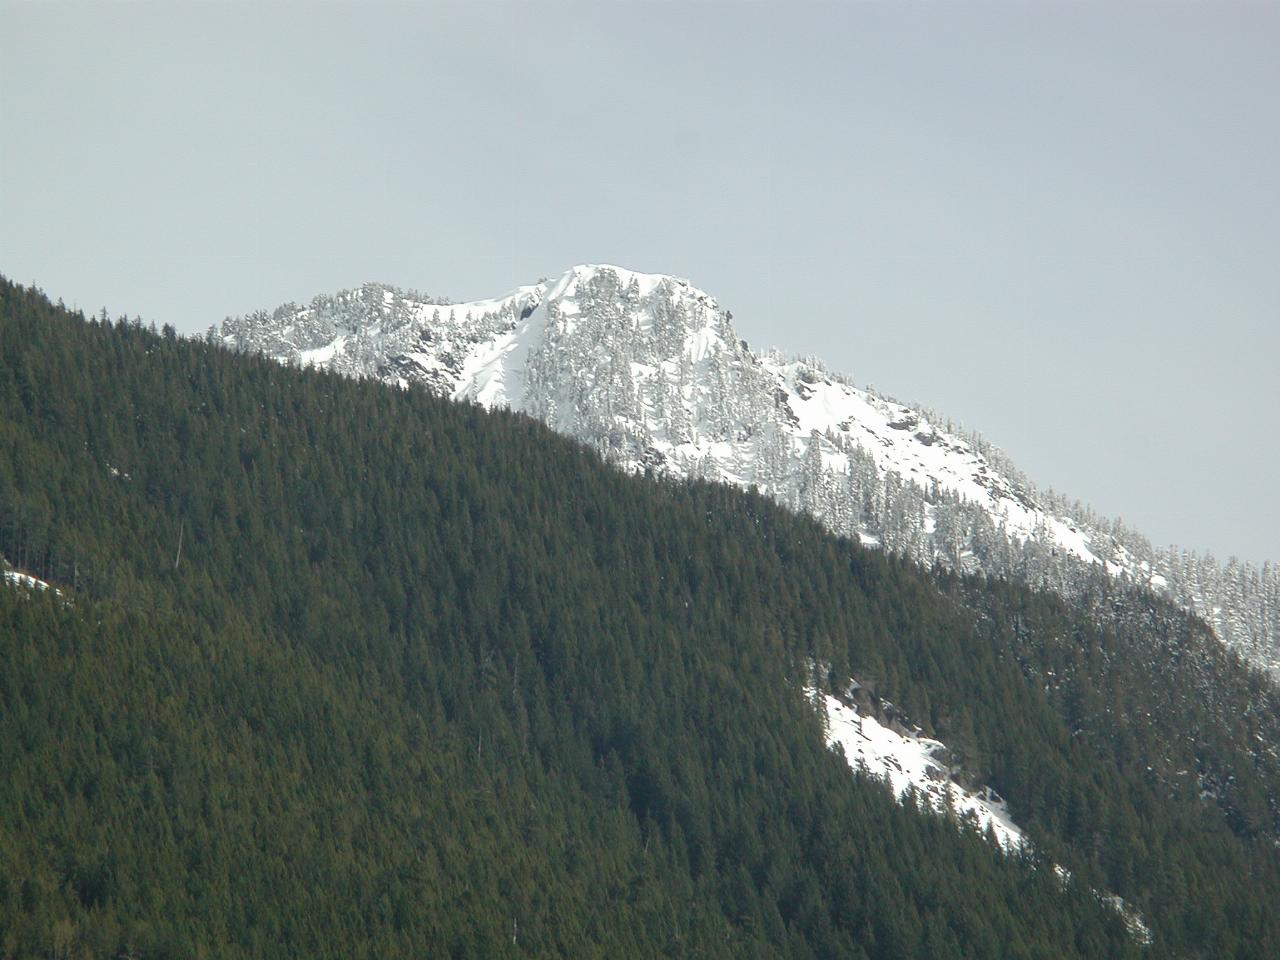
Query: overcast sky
{"points": [[1057, 223]]}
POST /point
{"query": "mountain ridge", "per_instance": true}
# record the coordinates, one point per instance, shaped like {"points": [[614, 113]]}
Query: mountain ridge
{"points": [[648, 369]]}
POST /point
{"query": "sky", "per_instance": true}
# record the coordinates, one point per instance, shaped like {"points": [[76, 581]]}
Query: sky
{"points": [[1056, 223]]}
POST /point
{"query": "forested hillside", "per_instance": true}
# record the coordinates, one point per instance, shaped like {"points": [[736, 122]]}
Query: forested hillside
{"points": [[342, 670]]}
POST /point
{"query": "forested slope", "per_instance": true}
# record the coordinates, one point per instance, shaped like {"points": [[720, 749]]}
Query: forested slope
{"points": [[341, 670]]}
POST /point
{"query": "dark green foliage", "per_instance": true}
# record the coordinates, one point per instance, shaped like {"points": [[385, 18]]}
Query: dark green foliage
{"points": [[1187, 736], [347, 671]]}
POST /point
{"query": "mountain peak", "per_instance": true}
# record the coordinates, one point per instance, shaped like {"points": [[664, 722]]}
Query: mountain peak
{"points": [[647, 368]]}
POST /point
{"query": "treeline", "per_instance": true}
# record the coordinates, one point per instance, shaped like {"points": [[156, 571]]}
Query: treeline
{"points": [[353, 671]]}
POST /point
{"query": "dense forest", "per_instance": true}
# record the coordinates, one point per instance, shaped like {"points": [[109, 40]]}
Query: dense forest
{"points": [[336, 670]]}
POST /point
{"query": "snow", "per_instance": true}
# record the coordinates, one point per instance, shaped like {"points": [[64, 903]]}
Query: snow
{"points": [[646, 283], [494, 374], [321, 356], [908, 763], [1133, 920], [891, 434], [17, 579], [478, 308]]}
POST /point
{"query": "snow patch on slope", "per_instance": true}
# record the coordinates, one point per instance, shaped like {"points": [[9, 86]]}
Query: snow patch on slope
{"points": [[912, 763], [16, 578]]}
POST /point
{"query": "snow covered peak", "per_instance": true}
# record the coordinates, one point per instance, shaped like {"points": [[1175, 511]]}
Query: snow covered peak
{"points": [[643, 284], [649, 370]]}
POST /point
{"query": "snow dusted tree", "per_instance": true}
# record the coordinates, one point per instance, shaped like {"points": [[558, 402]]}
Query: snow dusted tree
{"points": [[951, 534], [631, 296], [679, 402], [717, 410], [773, 462], [813, 478]]}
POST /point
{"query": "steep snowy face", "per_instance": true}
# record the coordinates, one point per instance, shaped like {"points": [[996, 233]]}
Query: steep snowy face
{"points": [[648, 369]]}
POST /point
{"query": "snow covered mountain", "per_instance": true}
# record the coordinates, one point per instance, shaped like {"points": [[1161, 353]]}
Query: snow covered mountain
{"points": [[648, 369]]}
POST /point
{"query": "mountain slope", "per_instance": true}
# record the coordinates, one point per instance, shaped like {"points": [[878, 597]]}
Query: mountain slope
{"points": [[346, 670], [341, 670], [648, 369]]}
